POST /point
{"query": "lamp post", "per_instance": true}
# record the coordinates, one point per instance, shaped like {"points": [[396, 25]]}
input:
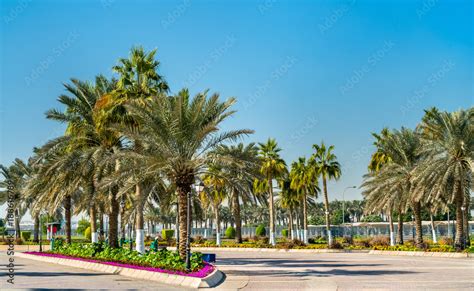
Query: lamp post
{"points": [[463, 235], [344, 201], [199, 187], [41, 234]]}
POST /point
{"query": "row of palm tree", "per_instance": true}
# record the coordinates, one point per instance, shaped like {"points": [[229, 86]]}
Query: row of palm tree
{"points": [[430, 167], [133, 151]]}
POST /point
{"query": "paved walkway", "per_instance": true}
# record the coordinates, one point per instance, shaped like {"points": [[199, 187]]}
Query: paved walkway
{"points": [[274, 271]]}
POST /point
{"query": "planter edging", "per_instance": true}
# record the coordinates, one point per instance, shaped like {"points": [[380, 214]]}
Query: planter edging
{"points": [[210, 280]]}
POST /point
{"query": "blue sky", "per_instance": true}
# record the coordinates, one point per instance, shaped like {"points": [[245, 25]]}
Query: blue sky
{"points": [[302, 71]]}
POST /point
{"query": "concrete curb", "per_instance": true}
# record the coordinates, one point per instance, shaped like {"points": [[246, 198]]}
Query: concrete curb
{"points": [[422, 254], [177, 280], [325, 251], [311, 251]]}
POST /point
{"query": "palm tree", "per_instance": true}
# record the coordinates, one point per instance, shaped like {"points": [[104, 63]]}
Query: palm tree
{"points": [[214, 192], [289, 199], [392, 186], [178, 134], [86, 151], [239, 178], [377, 161], [272, 167], [447, 170], [325, 164], [14, 179], [138, 80], [304, 180]]}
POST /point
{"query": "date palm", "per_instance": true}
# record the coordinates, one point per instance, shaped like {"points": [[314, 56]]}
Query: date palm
{"points": [[86, 151], [447, 170], [178, 134], [377, 161], [324, 163], [272, 167], [392, 186], [138, 80], [305, 181], [239, 177]]}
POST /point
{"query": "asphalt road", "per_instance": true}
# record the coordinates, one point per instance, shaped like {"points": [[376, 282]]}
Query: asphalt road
{"points": [[273, 271], [343, 271]]}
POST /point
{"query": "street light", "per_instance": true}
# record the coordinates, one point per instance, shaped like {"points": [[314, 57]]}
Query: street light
{"points": [[199, 188], [463, 235], [343, 201]]}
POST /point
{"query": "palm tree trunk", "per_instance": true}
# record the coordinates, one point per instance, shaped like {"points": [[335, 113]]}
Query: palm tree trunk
{"points": [[467, 200], [272, 211], [326, 206], [290, 223], [305, 218], [93, 222], [459, 241], [237, 218], [67, 214], [140, 233], [392, 229], [17, 224], [418, 225], [182, 191], [113, 219], [400, 227], [101, 223], [218, 227], [122, 222], [36, 229]]}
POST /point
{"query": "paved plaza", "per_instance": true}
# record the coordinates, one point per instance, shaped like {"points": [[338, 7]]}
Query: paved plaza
{"points": [[276, 271]]}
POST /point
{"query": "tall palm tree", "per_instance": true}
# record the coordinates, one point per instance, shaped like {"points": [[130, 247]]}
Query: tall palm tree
{"points": [[87, 147], [214, 192], [392, 186], [325, 164], [289, 199], [272, 167], [138, 80], [447, 170], [239, 178], [178, 134], [304, 180]]}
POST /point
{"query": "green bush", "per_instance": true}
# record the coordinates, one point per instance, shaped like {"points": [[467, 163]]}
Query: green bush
{"points": [[167, 234], [163, 259], [25, 235], [284, 232], [261, 231], [230, 232], [87, 233], [82, 225]]}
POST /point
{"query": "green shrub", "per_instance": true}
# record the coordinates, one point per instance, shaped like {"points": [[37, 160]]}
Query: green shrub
{"points": [[87, 233], [25, 235], [261, 231], [230, 232], [167, 234], [82, 225], [164, 259], [284, 232]]}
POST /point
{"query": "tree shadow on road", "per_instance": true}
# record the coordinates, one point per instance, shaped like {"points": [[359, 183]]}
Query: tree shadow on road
{"points": [[58, 274]]}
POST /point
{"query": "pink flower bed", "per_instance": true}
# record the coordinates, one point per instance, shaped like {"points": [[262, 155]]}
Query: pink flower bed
{"points": [[206, 270]]}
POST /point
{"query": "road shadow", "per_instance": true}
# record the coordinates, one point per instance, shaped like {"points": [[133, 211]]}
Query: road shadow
{"points": [[58, 274]]}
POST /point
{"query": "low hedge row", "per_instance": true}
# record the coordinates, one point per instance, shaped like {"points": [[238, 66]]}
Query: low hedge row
{"points": [[163, 259]]}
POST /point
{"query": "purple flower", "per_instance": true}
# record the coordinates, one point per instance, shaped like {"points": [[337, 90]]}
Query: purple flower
{"points": [[206, 270]]}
